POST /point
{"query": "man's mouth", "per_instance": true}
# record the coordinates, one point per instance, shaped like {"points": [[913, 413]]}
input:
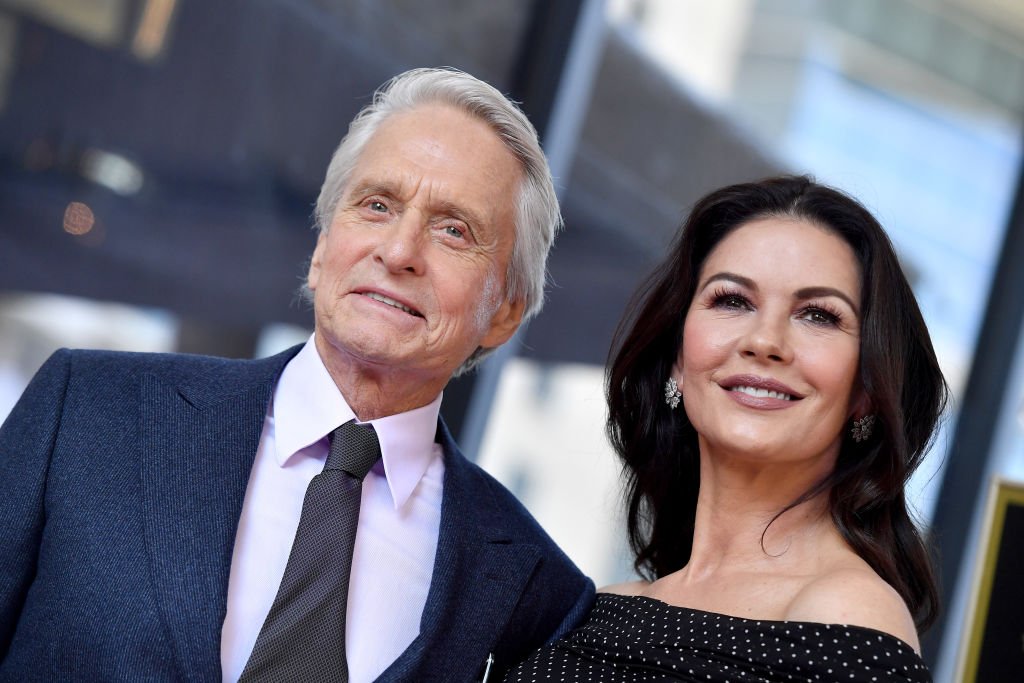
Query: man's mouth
{"points": [[376, 296]]}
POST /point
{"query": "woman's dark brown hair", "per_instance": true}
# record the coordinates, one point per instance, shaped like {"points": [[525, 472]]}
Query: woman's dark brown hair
{"points": [[897, 369]]}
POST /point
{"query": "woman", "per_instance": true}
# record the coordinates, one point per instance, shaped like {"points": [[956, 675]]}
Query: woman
{"points": [[770, 397]]}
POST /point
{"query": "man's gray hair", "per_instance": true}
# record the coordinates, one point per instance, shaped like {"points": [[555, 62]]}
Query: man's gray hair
{"points": [[537, 216]]}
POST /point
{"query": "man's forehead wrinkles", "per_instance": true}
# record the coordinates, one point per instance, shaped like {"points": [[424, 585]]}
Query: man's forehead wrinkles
{"points": [[379, 177]]}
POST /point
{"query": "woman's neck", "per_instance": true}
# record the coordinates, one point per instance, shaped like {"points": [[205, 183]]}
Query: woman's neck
{"points": [[742, 522]]}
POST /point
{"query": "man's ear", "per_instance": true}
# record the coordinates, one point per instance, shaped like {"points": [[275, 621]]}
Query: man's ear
{"points": [[314, 263], [504, 323]]}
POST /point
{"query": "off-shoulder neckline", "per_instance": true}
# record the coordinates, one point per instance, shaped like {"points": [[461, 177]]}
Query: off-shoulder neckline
{"points": [[799, 624]]}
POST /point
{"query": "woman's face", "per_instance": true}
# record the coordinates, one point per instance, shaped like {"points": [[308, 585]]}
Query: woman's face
{"points": [[768, 367]]}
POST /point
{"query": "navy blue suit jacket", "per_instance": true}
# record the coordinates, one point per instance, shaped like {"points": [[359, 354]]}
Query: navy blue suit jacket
{"points": [[121, 484]]}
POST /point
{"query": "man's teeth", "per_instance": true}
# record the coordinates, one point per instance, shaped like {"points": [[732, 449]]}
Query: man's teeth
{"points": [[762, 393], [390, 302]]}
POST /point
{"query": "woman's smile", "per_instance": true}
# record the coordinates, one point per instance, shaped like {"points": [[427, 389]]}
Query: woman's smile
{"points": [[762, 393]]}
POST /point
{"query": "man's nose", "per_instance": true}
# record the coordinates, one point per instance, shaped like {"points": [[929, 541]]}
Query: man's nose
{"points": [[401, 247]]}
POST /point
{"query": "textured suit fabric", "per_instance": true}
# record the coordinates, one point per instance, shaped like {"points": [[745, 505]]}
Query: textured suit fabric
{"points": [[121, 483]]}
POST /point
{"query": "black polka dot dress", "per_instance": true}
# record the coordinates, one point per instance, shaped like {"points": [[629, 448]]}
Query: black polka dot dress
{"points": [[632, 638]]}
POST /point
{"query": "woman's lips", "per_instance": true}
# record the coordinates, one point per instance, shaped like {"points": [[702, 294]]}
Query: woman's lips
{"points": [[760, 392]]}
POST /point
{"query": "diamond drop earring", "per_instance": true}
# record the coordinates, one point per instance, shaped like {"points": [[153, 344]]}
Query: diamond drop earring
{"points": [[672, 393]]}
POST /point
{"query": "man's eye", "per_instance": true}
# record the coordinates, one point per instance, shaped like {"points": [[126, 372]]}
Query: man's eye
{"points": [[378, 206], [454, 231]]}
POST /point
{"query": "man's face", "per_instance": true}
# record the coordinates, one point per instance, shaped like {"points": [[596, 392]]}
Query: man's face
{"points": [[410, 277]]}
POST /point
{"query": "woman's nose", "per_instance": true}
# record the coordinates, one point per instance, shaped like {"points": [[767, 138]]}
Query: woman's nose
{"points": [[767, 339]]}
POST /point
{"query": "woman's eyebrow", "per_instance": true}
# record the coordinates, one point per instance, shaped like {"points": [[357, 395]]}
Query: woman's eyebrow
{"points": [[731, 277]]}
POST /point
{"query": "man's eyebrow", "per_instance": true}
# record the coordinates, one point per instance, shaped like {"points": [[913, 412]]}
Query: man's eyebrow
{"points": [[805, 293], [373, 187]]}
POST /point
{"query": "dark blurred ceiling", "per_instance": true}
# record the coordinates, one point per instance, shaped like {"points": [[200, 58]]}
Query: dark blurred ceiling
{"points": [[230, 127]]}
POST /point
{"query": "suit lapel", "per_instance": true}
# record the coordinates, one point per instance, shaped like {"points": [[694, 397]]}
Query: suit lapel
{"points": [[479, 575], [199, 442]]}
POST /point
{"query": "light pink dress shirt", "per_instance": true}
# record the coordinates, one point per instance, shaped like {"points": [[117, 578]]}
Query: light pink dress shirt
{"points": [[399, 518]]}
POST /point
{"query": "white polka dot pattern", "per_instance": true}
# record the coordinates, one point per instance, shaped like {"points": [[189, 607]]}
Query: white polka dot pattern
{"points": [[631, 638]]}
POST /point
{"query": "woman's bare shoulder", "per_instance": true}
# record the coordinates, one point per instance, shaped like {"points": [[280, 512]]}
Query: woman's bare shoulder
{"points": [[627, 588], [855, 596]]}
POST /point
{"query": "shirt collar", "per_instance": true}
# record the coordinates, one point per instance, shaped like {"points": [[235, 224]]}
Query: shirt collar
{"points": [[308, 407]]}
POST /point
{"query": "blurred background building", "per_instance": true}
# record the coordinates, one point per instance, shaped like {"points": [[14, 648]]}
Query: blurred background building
{"points": [[159, 160]]}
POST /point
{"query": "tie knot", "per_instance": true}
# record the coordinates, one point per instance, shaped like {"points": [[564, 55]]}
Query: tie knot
{"points": [[354, 449]]}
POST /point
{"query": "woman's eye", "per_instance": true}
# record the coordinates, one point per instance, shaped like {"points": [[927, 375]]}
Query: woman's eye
{"points": [[820, 317], [378, 206], [731, 301]]}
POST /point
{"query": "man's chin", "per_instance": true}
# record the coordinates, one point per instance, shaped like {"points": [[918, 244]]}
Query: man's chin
{"points": [[373, 351]]}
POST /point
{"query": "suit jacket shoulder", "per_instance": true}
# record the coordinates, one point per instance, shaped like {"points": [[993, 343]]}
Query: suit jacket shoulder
{"points": [[122, 475], [197, 375]]}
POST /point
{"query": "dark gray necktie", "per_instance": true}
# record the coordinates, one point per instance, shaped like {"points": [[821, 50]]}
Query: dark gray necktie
{"points": [[303, 637]]}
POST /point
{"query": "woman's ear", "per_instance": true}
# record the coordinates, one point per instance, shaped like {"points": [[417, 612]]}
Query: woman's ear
{"points": [[676, 372], [861, 405]]}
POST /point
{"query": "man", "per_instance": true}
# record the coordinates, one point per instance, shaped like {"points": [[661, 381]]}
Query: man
{"points": [[153, 506]]}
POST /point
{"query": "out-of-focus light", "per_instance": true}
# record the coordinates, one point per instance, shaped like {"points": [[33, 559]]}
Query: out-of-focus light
{"points": [[78, 219], [39, 155], [152, 32], [112, 171]]}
